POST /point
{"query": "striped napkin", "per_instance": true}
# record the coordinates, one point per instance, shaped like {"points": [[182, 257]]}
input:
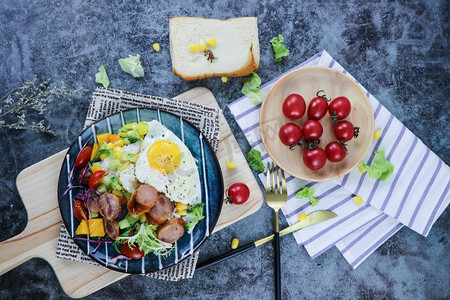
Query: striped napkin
{"points": [[415, 195]]}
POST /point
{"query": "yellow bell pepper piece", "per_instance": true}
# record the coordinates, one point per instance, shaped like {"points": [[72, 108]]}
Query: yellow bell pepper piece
{"points": [[82, 228], [114, 138], [96, 227], [95, 168], [104, 137], [94, 151]]}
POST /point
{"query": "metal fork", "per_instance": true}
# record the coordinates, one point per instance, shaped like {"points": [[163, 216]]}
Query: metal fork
{"points": [[276, 198]]}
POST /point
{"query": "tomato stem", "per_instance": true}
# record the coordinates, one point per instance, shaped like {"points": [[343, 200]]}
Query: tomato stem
{"points": [[228, 198], [356, 132], [323, 96], [312, 144], [298, 143], [334, 116], [343, 145]]}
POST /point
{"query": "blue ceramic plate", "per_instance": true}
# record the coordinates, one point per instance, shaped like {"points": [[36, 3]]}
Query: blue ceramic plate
{"points": [[210, 177]]}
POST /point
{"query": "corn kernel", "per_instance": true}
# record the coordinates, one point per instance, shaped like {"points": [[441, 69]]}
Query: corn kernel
{"points": [[360, 170], [95, 168], [124, 166], [119, 143], [117, 149], [302, 217], [234, 243], [211, 41], [377, 134], [156, 47], [192, 47], [357, 199], [181, 206], [109, 146], [103, 156], [182, 212], [231, 165], [118, 154], [224, 79], [202, 45]]}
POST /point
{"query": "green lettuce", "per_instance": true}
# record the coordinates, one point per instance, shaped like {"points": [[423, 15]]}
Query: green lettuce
{"points": [[132, 65], [381, 168], [250, 88], [196, 212], [308, 193], [255, 161], [146, 239], [101, 77], [278, 48]]}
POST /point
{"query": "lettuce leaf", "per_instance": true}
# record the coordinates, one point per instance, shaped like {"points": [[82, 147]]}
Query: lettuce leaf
{"points": [[196, 212], [132, 65], [381, 168], [250, 88], [278, 48], [255, 161], [101, 77], [308, 193]]}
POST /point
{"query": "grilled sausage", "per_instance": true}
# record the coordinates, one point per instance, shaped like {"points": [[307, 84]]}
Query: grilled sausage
{"points": [[92, 202], [84, 179], [110, 205], [171, 230], [142, 200], [111, 228], [162, 210]]}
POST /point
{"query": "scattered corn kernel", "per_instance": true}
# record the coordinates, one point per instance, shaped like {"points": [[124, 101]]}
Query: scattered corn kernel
{"points": [[377, 134], [109, 146], [182, 212], [119, 143], [234, 243], [95, 168], [231, 165], [302, 217], [357, 199], [156, 47], [181, 206], [360, 170], [224, 79], [211, 41], [202, 45], [117, 149], [192, 47]]}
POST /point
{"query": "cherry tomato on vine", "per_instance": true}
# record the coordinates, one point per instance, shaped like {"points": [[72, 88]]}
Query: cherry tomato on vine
{"points": [[294, 106], [83, 157], [238, 193], [134, 253], [312, 130], [315, 158], [290, 134], [335, 151], [339, 108], [80, 211], [345, 131], [95, 179], [317, 108]]}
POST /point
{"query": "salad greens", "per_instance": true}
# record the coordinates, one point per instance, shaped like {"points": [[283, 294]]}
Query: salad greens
{"points": [[381, 168], [278, 48], [250, 88], [255, 161], [308, 193], [101, 77], [196, 212], [132, 65]]}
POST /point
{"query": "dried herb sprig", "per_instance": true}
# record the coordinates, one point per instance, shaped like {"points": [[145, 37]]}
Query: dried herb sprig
{"points": [[31, 96]]}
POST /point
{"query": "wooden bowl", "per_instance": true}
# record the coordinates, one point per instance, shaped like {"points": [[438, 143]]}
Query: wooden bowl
{"points": [[306, 82]]}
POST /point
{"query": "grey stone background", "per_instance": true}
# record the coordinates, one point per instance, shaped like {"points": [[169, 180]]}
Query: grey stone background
{"points": [[397, 49]]}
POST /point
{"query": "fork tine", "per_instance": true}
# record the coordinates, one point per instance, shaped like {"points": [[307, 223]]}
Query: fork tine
{"points": [[278, 181], [283, 182], [268, 179], [274, 183]]}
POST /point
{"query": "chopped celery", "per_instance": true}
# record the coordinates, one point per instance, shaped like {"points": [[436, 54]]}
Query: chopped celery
{"points": [[124, 224], [132, 218], [142, 218], [142, 128], [101, 188], [126, 194], [117, 193], [94, 214], [106, 180], [114, 163], [128, 156]]}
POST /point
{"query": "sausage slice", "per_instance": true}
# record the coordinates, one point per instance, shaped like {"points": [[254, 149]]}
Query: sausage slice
{"points": [[171, 230], [142, 200], [92, 202], [162, 210], [110, 205], [111, 228]]}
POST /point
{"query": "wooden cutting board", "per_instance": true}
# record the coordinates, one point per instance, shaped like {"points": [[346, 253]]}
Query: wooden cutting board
{"points": [[37, 185]]}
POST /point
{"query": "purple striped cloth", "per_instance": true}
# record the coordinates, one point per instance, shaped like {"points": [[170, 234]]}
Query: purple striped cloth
{"points": [[360, 229]]}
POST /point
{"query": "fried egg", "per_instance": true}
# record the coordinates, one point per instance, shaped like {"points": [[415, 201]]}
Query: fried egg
{"points": [[167, 164]]}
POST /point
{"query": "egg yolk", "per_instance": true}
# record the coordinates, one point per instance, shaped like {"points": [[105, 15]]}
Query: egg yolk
{"points": [[164, 156]]}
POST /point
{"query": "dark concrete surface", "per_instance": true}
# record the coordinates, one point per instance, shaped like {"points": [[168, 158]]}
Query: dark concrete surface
{"points": [[397, 49]]}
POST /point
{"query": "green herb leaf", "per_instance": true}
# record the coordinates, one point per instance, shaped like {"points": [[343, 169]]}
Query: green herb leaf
{"points": [[381, 168], [279, 49], [250, 88], [101, 77], [308, 193], [132, 65], [255, 161]]}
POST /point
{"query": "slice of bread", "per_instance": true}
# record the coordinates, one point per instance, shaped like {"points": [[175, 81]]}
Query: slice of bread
{"points": [[236, 49]]}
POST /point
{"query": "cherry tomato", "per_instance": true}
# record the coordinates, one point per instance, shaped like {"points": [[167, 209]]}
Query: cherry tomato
{"points": [[344, 131], [317, 108], [315, 158], [80, 211], [339, 108], [134, 253], [312, 130], [294, 106], [290, 134], [83, 157], [96, 178], [335, 151], [238, 193]]}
